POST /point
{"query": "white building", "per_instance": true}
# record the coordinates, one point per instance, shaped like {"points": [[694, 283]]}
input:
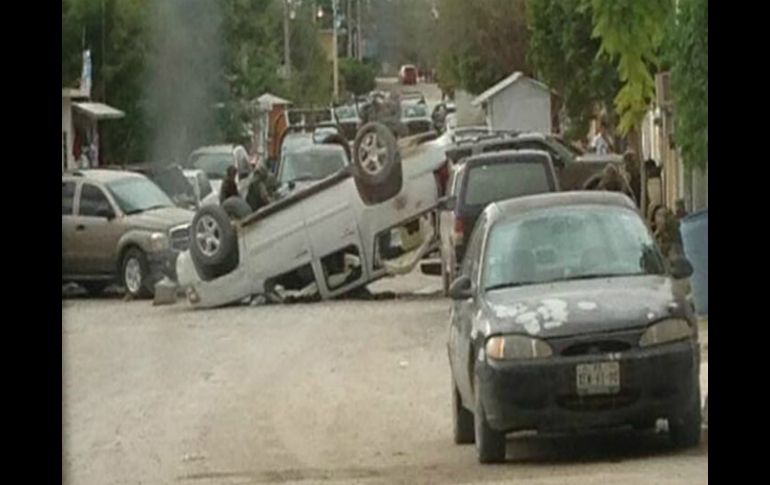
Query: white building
{"points": [[517, 103], [79, 126]]}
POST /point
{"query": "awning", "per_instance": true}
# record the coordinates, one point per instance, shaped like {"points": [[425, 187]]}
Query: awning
{"points": [[99, 111]]}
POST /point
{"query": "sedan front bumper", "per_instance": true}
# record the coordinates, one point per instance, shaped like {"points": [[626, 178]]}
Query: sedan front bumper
{"points": [[659, 382]]}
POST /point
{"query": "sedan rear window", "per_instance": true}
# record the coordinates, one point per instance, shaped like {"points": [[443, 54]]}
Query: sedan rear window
{"points": [[499, 181]]}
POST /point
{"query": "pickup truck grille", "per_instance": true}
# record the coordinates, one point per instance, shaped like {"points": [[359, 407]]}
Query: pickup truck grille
{"points": [[180, 238]]}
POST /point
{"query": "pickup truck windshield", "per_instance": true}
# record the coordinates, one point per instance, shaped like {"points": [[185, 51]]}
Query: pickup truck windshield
{"points": [[138, 194]]}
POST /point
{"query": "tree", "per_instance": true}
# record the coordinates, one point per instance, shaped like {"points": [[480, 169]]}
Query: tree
{"points": [[481, 42], [631, 33], [563, 54], [358, 78], [687, 52]]}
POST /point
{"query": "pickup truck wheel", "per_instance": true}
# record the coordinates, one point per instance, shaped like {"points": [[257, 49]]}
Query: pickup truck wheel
{"points": [[135, 274], [236, 207], [214, 246]]}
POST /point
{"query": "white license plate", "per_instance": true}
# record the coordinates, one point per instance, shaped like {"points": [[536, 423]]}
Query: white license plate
{"points": [[599, 378]]}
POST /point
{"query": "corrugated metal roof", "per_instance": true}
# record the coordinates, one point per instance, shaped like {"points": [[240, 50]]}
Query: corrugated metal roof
{"points": [[99, 111], [515, 77]]}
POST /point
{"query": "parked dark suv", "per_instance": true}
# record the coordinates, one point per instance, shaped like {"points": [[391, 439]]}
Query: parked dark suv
{"points": [[479, 180]]}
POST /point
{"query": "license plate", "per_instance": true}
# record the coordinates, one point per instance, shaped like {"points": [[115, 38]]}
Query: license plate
{"points": [[599, 378]]}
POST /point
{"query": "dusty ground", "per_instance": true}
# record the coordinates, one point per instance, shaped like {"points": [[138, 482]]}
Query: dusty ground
{"points": [[333, 392]]}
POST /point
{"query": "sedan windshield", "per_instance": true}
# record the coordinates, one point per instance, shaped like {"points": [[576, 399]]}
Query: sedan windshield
{"points": [[569, 243], [214, 164], [138, 194], [311, 164]]}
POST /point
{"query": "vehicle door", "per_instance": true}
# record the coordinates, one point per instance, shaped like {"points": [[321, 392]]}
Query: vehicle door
{"points": [[463, 313], [97, 231], [335, 239], [68, 223], [446, 220], [244, 170]]}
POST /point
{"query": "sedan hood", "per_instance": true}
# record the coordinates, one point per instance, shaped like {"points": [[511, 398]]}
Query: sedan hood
{"points": [[162, 219], [582, 306]]}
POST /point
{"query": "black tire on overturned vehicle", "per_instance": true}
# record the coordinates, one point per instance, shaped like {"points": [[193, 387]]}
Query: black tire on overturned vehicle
{"points": [[214, 245], [236, 207], [376, 163]]}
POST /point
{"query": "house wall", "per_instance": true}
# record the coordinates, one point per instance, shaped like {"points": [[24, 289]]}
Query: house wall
{"points": [[467, 114], [67, 133], [521, 106]]}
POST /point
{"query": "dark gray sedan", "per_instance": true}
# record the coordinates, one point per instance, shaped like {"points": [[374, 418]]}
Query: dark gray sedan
{"points": [[566, 316]]}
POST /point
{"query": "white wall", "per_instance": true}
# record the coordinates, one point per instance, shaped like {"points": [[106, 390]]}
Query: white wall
{"points": [[467, 114], [66, 126], [522, 106]]}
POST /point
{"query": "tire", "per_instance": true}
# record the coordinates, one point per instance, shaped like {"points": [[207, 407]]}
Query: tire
{"points": [[94, 288], [377, 194], [685, 431], [236, 207], [135, 274], [375, 154], [462, 420], [490, 444], [214, 245]]}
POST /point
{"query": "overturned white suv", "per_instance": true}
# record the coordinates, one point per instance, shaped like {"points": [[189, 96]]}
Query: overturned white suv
{"points": [[371, 218]]}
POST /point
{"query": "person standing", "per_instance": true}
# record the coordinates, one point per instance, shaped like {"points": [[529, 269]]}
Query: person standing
{"points": [[601, 143], [229, 185]]}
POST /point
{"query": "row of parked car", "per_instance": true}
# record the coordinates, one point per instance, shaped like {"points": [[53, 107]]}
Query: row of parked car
{"points": [[564, 316]]}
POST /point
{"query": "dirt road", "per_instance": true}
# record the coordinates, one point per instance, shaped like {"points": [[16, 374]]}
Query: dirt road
{"points": [[333, 392]]}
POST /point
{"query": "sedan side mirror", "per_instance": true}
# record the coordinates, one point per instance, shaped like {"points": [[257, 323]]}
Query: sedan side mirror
{"points": [[681, 268], [447, 203], [461, 288]]}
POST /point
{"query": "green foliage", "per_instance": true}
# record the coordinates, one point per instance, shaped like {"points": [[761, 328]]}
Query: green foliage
{"points": [[357, 77], [631, 32], [563, 54], [687, 52], [481, 42]]}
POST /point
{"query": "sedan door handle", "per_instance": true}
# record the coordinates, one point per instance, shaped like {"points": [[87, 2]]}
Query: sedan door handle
{"points": [[80, 227]]}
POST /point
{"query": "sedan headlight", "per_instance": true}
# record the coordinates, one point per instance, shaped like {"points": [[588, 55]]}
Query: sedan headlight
{"points": [[505, 347], [158, 241], [666, 331]]}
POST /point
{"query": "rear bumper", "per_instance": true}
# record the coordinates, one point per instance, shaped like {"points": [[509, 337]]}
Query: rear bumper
{"points": [[661, 382]]}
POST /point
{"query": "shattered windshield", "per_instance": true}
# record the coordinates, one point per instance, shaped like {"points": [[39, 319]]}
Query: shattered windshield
{"points": [[569, 243]]}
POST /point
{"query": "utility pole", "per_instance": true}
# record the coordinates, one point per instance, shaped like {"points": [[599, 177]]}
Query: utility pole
{"points": [[104, 55], [359, 51], [286, 51], [334, 48], [349, 22]]}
